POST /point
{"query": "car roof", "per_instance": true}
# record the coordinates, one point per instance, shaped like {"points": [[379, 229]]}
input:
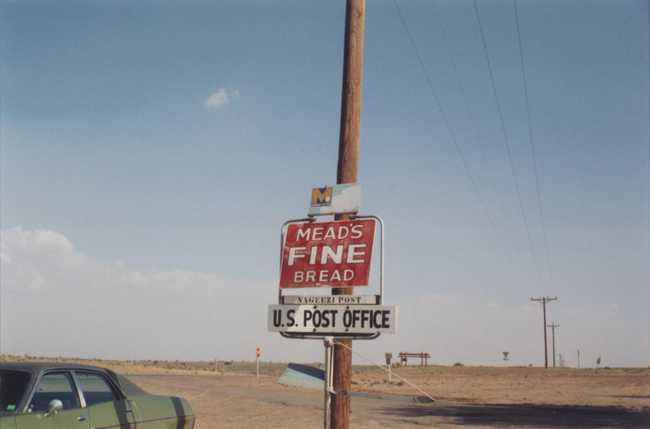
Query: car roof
{"points": [[38, 367], [35, 369]]}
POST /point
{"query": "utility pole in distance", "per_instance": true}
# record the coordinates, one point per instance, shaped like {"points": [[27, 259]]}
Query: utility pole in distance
{"points": [[553, 326], [347, 173], [544, 300], [578, 358]]}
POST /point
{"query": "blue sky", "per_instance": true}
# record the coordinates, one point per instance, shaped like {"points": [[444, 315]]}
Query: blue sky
{"points": [[115, 165]]}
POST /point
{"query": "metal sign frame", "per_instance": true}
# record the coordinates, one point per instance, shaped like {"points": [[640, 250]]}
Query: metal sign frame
{"points": [[379, 299]]}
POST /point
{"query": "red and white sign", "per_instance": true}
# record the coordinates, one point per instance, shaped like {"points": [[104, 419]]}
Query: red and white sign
{"points": [[333, 254]]}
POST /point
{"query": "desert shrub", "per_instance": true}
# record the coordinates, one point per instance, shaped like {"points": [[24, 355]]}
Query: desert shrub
{"points": [[458, 364]]}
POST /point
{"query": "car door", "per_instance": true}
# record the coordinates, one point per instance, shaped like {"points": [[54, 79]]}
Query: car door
{"points": [[57, 385], [105, 404]]}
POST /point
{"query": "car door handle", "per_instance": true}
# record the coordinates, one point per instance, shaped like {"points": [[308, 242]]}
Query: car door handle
{"points": [[81, 419]]}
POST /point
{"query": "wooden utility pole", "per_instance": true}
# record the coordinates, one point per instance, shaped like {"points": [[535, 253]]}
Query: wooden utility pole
{"points": [[347, 173], [553, 326], [544, 300]]}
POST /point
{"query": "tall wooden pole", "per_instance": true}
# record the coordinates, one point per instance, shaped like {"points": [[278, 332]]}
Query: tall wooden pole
{"points": [[347, 173]]}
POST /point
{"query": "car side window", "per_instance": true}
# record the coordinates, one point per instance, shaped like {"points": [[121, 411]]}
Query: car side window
{"points": [[54, 386], [95, 388]]}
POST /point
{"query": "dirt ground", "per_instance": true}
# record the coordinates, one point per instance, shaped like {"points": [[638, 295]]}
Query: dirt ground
{"points": [[226, 394], [477, 397]]}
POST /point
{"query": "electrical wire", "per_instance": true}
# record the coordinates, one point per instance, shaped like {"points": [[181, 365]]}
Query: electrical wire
{"points": [[463, 93], [459, 82], [413, 385], [513, 168], [532, 143], [443, 114]]}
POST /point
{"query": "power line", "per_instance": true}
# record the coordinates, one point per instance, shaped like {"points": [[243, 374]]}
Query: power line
{"points": [[461, 88], [443, 114], [532, 142], [502, 122]]}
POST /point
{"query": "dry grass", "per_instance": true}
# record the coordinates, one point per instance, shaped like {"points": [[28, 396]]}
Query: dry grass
{"points": [[227, 394], [153, 367], [626, 387]]}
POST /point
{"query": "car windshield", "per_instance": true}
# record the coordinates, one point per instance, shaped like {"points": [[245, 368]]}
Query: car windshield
{"points": [[13, 385]]}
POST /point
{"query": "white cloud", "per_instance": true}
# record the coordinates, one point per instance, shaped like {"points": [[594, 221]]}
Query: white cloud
{"points": [[220, 98], [59, 301], [56, 300]]}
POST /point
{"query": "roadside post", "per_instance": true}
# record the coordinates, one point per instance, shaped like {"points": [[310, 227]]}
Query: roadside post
{"points": [[327, 379], [330, 256], [389, 357], [337, 255], [258, 353], [348, 157]]}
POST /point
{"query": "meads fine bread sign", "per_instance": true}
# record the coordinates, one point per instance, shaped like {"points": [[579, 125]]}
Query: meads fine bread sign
{"points": [[334, 254]]}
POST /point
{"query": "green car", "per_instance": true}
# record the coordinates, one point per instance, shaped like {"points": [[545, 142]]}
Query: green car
{"points": [[58, 396]]}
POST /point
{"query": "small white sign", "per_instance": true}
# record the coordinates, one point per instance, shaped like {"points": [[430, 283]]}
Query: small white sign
{"points": [[335, 199], [330, 299], [333, 319]]}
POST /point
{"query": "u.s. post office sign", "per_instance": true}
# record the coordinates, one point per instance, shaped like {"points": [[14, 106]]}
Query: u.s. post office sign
{"points": [[334, 254], [333, 319]]}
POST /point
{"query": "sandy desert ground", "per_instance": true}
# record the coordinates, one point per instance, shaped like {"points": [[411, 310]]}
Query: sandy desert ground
{"points": [[477, 397], [228, 395]]}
